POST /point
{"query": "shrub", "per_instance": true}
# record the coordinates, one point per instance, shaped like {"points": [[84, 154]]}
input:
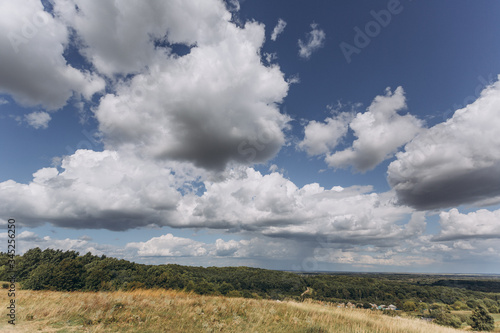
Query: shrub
{"points": [[481, 320]]}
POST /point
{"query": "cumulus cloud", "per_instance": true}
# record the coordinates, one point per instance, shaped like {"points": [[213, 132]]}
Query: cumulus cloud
{"points": [[3, 101], [380, 131], [45, 79], [191, 107], [455, 162], [278, 29], [169, 246], [202, 110], [94, 190], [111, 191], [482, 224], [134, 31], [38, 119], [321, 138], [272, 205], [315, 41]]}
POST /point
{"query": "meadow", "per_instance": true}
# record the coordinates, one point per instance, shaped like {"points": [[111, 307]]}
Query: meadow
{"points": [[159, 310]]}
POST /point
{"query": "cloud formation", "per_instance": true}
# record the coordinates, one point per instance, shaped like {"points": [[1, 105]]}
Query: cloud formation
{"points": [[455, 162], [38, 119], [278, 29], [46, 79], [169, 246], [94, 190], [482, 224], [194, 107], [380, 131], [321, 138], [273, 206], [110, 191], [315, 40], [138, 35]]}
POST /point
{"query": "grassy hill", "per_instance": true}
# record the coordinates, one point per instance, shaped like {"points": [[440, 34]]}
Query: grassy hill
{"points": [[176, 311]]}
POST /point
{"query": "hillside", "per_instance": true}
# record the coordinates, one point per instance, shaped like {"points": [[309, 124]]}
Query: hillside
{"points": [[175, 311]]}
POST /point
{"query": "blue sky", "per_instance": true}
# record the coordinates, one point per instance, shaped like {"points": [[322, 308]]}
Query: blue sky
{"points": [[346, 135]]}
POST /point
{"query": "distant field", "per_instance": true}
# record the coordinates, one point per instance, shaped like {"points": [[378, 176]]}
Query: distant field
{"points": [[174, 311]]}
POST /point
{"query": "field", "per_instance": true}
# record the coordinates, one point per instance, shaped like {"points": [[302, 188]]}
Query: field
{"points": [[175, 311]]}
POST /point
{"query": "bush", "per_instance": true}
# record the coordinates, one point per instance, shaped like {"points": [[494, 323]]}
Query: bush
{"points": [[459, 306], [367, 306], [409, 306], [445, 318], [481, 320], [463, 317]]}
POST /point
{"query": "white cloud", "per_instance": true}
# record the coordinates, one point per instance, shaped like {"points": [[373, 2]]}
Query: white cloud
{"points": [[132, 28], [380, 131], [118, 192], [274, 206], [482, 224], [270, 57], [315, 41], [278, 29], [199, 109], [3, 101], [38, 119], [229, 248], [293, 79], [29, 240], [454, 162], [33, 69], [321, 138], [95, 190], [192, 108], [169, 246]]}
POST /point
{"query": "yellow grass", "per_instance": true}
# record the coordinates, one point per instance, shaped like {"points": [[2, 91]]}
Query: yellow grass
{"points": [[173, 311]]}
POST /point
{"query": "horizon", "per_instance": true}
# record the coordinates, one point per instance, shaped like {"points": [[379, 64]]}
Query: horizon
{"points": [[335, 137]]}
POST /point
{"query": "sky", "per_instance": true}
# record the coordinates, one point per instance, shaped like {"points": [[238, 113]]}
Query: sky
{"points": [[282, 134]]}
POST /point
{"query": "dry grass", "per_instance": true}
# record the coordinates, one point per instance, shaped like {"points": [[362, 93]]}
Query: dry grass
{"points": [[172, 311]]}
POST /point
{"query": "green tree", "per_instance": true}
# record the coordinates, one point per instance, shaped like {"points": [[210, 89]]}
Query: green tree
{"points": [[409, 306], [481, 320], [459, 306], [445, 318], [225, 287], [41, 277], [70, 275]]}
